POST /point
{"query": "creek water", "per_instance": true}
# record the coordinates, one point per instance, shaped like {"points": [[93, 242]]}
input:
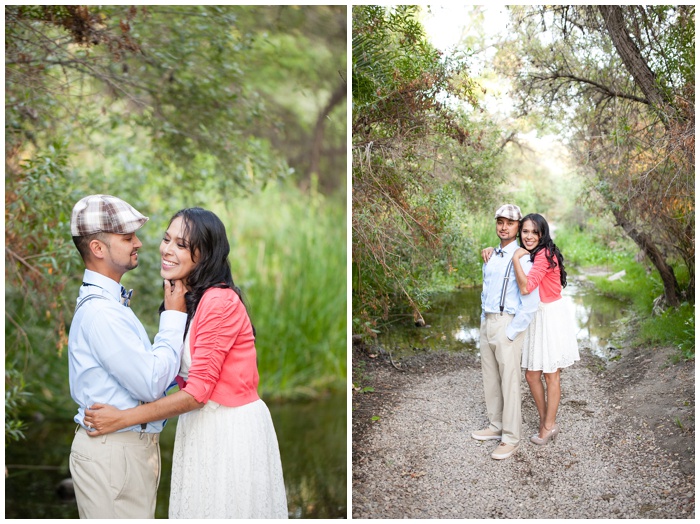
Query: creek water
{"points": [[452, 322], [312, 437]]}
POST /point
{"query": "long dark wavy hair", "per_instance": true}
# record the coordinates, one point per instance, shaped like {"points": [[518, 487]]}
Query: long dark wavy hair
{"points": [[206, 235], [546, 243]]}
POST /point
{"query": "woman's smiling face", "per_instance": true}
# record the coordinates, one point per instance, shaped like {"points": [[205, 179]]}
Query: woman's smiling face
{"points": [[529, 235], [176, 260]]}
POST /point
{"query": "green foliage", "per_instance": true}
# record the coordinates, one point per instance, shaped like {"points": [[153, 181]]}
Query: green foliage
{"points": [[597, 245], [637, 285], [199, 96], [640, 285], [674, 52], [228, 80], [674, 327], [631, 128], [421, 163], [389, 51], [15, 398], [301, 77], [291, 264], [170, 107], [39, 259], [593, 242], [687, 344]]}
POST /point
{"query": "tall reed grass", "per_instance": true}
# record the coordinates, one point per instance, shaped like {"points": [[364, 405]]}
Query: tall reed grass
{"points": [[288, 256]]}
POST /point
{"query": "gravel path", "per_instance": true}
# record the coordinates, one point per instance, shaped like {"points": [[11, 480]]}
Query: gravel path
{"points": [[418, 460]]}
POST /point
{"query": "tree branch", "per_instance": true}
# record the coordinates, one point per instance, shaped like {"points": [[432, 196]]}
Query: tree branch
{"points": [[23, 262], [633, 60], [600, 87]]}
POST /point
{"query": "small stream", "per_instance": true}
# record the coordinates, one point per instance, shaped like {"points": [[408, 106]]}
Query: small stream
{"points": [[452, 322]]}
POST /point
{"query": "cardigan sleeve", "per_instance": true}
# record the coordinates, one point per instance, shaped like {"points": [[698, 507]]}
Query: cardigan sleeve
{"points": [[219, 318], [540, 268]]}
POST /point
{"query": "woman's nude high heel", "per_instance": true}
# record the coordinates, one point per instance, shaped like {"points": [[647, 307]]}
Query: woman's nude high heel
{"points": [[550, 434]]}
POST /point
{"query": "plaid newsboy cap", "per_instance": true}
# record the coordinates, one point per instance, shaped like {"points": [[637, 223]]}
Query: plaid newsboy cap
{"points": [[509, 211], [104, 214]]}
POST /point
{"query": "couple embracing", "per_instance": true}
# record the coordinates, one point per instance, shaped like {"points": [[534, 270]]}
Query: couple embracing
{"points": [[226, 460], [523, 324]]}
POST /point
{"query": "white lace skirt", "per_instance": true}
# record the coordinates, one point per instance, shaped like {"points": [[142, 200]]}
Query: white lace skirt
{"points": [[226, 465], [550, 339]]}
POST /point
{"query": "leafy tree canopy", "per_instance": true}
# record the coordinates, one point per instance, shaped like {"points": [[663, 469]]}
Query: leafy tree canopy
{"points": [[422, 155], [620, 81], [166, 107]]}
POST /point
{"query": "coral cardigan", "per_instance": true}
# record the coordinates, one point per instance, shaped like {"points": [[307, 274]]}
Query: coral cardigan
{"points": [[548, 279], [224, 366]]}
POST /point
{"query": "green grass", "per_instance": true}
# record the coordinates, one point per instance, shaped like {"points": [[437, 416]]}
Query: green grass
{"points": [[594, 247], [637, 286], [675, 327], [288, 255]]}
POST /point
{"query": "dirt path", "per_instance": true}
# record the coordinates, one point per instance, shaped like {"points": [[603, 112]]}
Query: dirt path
{"points": [[626, 448]]}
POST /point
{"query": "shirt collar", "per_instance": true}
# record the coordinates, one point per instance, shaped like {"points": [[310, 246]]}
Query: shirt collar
{"points": [[510, 248], [106, 283]]}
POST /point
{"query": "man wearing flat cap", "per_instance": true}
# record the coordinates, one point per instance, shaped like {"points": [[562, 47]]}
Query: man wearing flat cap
{"points": [[505, 315], [111, 360]]}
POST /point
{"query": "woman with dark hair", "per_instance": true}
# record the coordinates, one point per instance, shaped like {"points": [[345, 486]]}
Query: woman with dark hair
{"points": [[550, 340], [226, 461]]}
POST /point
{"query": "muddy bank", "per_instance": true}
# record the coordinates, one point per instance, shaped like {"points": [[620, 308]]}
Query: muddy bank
{"points": [[626, 448]]}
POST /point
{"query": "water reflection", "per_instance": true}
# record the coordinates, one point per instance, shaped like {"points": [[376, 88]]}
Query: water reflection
{"points": [[467, 335], [313, 442], [597, 317], [454, 318], [312, 437], [452, 325]]}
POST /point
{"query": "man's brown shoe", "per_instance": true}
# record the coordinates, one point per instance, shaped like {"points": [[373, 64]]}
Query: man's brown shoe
{"points": [[504, 451]]}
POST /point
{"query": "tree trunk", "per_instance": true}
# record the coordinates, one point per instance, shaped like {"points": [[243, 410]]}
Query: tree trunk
{"points": [[671, 289], [634, 61], [690, 290], [337, 96]]}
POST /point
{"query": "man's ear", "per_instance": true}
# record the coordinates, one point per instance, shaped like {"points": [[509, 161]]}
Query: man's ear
{"points": [[97, 248]]}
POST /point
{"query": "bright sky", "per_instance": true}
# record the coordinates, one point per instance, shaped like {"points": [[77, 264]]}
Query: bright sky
{"points": [[445, 24]]}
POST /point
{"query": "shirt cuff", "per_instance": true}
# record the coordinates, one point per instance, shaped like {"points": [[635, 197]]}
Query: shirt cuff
{"points": [[511, 333], [171, 319]]}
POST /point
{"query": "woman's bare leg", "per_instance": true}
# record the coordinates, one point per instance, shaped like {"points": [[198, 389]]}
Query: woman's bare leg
{"points": [[534, 380], [553, 381]]}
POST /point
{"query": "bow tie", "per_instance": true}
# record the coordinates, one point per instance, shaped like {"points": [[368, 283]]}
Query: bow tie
{"points": [[126, 296], [498, 251]]}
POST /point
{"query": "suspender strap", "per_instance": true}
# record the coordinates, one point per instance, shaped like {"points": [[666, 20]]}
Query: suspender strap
{"points": [[143, 425], [85, 299], [504, 288]]}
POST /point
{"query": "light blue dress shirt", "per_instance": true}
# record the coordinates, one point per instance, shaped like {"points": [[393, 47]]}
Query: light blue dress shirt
{"points": [[523, 307], [110, 357]]}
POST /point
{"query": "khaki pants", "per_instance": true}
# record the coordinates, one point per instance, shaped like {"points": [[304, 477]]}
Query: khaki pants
{"points": [[500, 366], [115, 476]]}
